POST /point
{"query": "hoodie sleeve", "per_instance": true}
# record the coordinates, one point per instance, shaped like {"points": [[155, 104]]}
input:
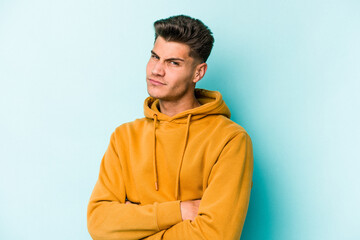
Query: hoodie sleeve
{"points": [[225, 202], [110, 218]]}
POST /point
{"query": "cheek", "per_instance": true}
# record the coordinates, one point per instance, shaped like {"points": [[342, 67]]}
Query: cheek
{"points": [[181, 80], [149, 67]]}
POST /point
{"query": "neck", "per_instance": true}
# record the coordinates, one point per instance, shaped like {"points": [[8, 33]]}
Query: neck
{"points": [[171, 108]]}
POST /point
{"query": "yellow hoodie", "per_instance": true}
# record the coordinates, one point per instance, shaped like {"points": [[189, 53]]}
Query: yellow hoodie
{"points": [[158, 161]]}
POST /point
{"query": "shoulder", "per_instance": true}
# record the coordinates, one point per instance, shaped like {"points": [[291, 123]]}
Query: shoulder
{"points": [[229, 127], [218, 131], [131, 127]]}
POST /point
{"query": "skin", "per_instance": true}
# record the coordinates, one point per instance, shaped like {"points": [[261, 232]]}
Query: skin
{"points": [[189, 209], [171, 76]]}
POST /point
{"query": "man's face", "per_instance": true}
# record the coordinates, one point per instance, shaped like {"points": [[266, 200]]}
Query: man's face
{"points": [[170, 72]]}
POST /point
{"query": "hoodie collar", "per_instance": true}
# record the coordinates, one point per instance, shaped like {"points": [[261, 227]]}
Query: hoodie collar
{"points": [[211, 104]]}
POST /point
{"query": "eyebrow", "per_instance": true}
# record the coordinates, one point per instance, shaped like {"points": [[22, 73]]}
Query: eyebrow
{"points": [[169, 59]]}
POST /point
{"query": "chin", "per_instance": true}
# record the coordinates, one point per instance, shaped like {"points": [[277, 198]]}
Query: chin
{"points": [[153, 93]]}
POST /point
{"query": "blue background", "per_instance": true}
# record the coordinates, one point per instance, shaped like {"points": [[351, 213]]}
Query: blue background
{"points": [[72, 71]]}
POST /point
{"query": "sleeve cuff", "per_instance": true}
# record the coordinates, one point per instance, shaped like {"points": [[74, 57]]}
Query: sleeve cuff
{"points": [[168, 214]]}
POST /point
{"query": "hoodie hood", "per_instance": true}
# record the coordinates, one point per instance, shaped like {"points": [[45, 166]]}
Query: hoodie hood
{"points": [[211, 104]]}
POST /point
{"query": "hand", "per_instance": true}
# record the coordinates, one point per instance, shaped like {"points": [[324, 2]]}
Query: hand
{"points": [[189, 209]]}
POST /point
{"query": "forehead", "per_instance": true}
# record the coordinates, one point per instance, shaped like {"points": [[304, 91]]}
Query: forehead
{"points": [[167, 49]]}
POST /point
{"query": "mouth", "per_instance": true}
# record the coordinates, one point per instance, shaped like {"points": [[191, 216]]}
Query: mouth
{"points": [[155, 82]]}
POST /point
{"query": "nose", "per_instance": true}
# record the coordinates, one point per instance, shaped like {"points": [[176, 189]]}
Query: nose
{"points": [[158, 69]]}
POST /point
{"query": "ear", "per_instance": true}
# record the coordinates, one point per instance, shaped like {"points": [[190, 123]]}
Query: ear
{"points": [[200, 72]]}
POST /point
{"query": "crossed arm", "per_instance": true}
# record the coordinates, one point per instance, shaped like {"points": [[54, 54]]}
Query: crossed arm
{"points": [[220, 213], [189, 209]]}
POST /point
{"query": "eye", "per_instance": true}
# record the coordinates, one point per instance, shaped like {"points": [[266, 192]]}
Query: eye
{"points": [[154, 56], [174, 63]]}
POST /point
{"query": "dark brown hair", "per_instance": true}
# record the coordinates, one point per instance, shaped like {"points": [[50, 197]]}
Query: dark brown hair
{"points": [[189, 31]]}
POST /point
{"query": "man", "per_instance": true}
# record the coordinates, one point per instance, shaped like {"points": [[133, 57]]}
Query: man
{"points": [[184, 171]]}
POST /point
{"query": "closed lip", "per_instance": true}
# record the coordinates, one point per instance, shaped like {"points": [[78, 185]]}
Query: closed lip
{"points": [[153, 81]]}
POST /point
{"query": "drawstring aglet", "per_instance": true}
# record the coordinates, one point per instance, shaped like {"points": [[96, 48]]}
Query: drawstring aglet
{"points": [[156, 186]]}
